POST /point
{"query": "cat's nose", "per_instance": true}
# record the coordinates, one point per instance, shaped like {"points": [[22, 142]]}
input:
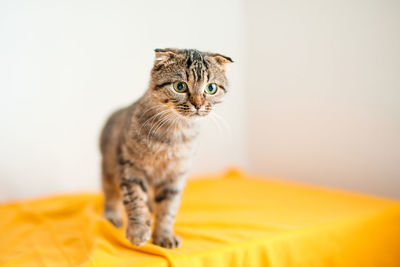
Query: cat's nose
{"points": [[197, 106], [197, 101]]}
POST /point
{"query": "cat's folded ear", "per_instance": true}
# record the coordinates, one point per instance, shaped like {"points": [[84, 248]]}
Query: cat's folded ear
{"points": [[164, 55], [221, 59]]}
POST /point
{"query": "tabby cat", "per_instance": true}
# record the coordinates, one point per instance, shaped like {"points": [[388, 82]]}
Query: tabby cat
{"points": [[147, 147]]}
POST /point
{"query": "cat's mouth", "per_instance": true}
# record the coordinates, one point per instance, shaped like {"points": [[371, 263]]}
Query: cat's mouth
{"points": [[193, 114], [198, 114]]}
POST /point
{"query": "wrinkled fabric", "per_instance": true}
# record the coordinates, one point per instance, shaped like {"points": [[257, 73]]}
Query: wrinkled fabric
{"points": [[233, 219]]}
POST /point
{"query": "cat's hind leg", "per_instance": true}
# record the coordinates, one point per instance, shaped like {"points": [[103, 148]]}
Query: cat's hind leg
{"points": [[112, 200]]}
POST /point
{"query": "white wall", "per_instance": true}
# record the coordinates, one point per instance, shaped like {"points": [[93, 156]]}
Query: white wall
{"points": [[315, 87], [65, 65], [323, 80]]}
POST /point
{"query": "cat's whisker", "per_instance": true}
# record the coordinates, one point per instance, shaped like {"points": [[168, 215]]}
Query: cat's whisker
{"points": [[176, 124], [162, 117], [173, 124], [169, 119], [156, 122], [155, 107], [225, 124], [152, 118], [212, 117], [166, 120]]}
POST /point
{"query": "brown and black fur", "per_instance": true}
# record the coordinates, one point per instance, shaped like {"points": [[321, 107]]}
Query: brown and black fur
{"points": [[147, 147]]}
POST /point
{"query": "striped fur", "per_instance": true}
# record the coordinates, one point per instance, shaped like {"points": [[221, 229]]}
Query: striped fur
{"points": [[147, 147]]}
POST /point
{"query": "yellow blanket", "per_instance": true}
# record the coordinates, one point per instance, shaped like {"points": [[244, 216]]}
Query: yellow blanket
{"points": [[229, 220]]}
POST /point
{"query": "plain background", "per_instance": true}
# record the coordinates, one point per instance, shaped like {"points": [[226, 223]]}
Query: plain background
{"points": [[314, 93]]}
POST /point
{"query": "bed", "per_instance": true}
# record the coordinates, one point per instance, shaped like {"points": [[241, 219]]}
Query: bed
{"points": [[230, 219]]}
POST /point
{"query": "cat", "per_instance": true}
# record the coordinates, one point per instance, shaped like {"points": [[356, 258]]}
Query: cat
{"points": [[147, 147]]}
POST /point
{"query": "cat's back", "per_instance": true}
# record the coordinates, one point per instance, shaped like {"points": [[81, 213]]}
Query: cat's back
{"points": [[113, 128]]}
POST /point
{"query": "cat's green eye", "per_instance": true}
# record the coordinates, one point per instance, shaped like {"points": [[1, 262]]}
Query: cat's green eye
{"points": [[211, 88], [180, 87]]}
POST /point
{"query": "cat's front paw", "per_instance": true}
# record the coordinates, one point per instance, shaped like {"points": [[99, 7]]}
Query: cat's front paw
{"points": [[138, 234], [167, 240]]}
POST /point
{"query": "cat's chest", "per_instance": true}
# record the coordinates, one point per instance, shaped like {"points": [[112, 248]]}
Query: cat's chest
{"points": [[170, 147], [168, 160], [165, 152]]}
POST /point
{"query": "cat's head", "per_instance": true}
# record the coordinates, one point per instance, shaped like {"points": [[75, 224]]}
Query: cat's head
{"points": [[189, 81]]}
